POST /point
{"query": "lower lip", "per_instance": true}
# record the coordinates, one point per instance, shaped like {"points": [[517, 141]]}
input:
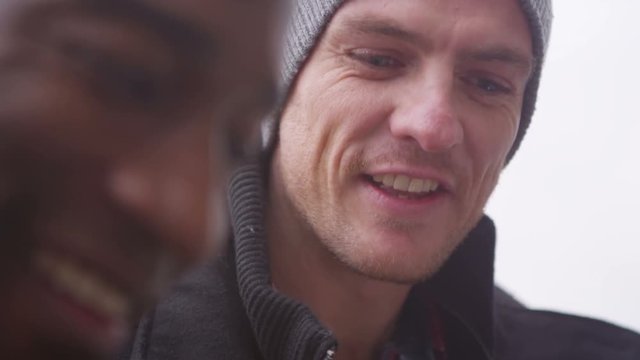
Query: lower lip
{"points": [[404, 206], [65, 316]]}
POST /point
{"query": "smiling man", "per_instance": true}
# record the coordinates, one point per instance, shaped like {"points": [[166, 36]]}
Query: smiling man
{"points": [[119, 121], [362, 235]]}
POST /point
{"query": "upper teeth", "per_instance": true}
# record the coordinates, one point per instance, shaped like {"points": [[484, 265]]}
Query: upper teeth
{"points": [[406, 184], [83, 286]]}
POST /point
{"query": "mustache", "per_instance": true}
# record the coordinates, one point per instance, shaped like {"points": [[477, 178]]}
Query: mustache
{"points": [[402, 153]]}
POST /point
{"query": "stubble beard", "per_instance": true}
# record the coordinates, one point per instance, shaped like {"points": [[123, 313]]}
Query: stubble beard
{"points": [[347, 246], [347, 243]]}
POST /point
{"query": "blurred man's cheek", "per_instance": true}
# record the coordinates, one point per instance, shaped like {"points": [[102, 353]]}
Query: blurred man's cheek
{"points": [[217, 222], [5, 186]]}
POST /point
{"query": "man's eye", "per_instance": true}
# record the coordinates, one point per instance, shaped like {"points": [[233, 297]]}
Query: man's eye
{"points": [[488, 86], [376, 59]]}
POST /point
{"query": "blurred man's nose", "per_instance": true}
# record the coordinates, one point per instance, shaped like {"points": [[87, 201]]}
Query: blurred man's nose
{"points": [[426, 113], [164, 183]]}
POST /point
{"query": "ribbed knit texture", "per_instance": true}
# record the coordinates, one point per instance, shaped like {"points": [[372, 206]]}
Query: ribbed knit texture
{"points": [[310, 18], [284, 328]]}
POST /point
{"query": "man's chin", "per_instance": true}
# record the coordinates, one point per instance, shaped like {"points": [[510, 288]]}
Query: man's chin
{"points": [[401, 262], [398, 270]]}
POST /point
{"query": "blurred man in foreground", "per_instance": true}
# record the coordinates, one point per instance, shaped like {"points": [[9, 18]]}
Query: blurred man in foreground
{"points": [[118, 125]]}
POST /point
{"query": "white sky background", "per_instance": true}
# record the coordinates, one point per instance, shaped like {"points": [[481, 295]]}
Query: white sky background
{"points": [[567, 208]]}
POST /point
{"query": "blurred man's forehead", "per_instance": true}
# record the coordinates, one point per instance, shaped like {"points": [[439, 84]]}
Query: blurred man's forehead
{"points": [[230, 21], [209, 33], [213, 12], [202, 12]]}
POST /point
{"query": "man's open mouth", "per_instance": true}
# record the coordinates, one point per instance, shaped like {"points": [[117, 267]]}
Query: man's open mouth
{"points": [[83, 286], [405, 187]]}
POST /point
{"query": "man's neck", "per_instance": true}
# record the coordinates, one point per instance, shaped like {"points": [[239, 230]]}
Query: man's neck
{"points": [[360, 311]]}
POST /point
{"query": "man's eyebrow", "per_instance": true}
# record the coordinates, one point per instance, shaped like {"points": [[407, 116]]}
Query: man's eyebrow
{"points": [[501, 54], [385, 27]]}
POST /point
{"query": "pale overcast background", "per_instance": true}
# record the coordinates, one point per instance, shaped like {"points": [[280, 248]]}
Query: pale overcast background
{"points": [[567, 208]]}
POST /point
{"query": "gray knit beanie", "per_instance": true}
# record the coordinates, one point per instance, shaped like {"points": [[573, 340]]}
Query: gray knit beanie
{"points": [[310, 18]]}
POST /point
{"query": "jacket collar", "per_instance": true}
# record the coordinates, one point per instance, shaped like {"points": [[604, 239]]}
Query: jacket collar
{"points": [[465, 286], [287, 329], [284, 328]]}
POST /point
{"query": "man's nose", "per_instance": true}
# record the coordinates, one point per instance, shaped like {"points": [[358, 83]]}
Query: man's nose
{"points": [[164, 183], [426, 113]]}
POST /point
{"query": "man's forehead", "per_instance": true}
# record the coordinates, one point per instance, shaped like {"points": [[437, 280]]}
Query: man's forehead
{"points": [[363, 8], [417, 25]]}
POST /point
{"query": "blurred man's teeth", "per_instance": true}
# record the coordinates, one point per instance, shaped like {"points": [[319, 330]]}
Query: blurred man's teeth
{"points": [[405, 183], [82, 285]]}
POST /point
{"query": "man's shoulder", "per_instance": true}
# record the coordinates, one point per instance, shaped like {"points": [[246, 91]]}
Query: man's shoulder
{"points": [[523, 333]]}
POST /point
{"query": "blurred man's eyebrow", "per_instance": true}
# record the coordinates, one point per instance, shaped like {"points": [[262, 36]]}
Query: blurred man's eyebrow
{"points": [[179, 30]]}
